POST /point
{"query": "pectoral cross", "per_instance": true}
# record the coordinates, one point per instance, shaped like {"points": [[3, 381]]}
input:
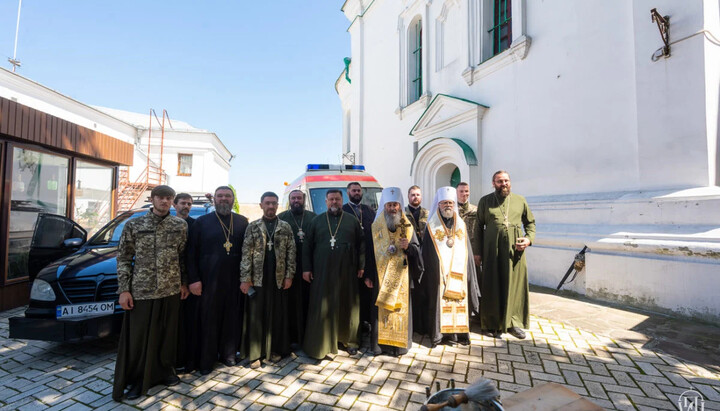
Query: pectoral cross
{"points": [[332, 242], [270, 244], [301, 235], [227, 246]]}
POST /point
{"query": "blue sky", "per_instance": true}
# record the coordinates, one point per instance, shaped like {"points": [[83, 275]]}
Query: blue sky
{"points": [[260, 74]]}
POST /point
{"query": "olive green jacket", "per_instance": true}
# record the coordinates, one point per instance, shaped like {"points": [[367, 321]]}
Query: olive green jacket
{"points": [[468, 212], [151, 256], [255, 246]]}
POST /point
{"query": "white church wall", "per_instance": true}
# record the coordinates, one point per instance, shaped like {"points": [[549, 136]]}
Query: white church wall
{"points": [[612, 150]]}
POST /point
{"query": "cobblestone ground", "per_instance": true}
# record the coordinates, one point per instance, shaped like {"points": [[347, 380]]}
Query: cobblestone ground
{"points": [[613, 374]]}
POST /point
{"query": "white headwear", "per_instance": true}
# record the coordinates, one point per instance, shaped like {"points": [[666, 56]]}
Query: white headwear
{"points": [[390, 195], [443, 194]]}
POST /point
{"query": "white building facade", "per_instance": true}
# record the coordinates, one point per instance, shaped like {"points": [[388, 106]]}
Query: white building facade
{"points": [[614, 145], [195, 161]]}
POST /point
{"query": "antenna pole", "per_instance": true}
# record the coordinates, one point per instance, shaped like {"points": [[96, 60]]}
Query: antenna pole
{"points": [[14, 61]]}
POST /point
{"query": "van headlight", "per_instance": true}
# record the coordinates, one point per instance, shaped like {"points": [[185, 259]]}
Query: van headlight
{"points": [[42, 291]]}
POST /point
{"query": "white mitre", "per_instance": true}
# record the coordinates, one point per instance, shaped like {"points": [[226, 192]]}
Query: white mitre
{"points": [[390, 195], [444, 194]]}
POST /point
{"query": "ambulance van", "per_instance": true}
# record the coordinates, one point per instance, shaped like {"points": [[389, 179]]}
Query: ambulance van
{"points": [[319, 178]]}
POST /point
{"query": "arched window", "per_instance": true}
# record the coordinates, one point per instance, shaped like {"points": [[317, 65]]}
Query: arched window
{"points": [[415, 60], [501, 30]]}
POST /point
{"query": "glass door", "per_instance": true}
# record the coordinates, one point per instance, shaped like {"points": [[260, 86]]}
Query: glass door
{"points": [[39, 184]]}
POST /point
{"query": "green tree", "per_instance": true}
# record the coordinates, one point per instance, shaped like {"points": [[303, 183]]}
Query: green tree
{"points": [[236, 205]]}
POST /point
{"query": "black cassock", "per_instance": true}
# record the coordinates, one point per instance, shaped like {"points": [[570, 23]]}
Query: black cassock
{"points": [[221, 303], [431, 285], [366, 217], [188, 329]]}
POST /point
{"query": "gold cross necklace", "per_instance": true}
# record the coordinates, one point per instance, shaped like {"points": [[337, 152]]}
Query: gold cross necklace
{"points": [[300, 233], [227, 232], [332, 235], [505, 216]]}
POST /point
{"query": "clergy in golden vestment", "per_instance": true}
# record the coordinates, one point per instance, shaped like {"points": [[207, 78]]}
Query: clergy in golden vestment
{"points": [[398, 260]]}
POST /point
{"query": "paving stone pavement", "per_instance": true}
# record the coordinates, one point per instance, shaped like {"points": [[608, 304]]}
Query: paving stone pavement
{"points": [[612, 373]]}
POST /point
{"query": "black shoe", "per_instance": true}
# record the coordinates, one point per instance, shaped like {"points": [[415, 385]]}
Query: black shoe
{"points": [[517, 333], [464, 341], [352, 351], [230, 362], [496, 333], [133, 393], [205, 372], [172, 381]]}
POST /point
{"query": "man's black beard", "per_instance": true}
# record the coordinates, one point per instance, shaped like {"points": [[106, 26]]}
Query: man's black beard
{"points": [[334, 213], [223, 209], [499, 192], [356, 199], [297, 208]]}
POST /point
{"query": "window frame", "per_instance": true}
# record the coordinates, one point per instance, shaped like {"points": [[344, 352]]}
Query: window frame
{"points": [[415, 83], [501, 43], [180, 155]]}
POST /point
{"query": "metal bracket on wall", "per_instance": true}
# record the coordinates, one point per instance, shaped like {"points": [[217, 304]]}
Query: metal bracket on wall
{"points": [[663, 23], [350, 157]]}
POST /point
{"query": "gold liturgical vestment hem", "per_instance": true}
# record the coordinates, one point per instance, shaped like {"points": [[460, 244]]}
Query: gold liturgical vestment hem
{"points": [[454, 312], [394, 287]]}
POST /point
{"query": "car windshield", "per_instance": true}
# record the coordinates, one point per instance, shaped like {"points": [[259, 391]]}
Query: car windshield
{"points": [[371, 198], [112, 231]]}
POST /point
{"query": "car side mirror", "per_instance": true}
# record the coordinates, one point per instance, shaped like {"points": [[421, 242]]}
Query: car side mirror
{"points": [[73, 243]]}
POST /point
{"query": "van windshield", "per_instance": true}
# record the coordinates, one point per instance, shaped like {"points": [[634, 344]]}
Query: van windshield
{"points": [[371, 198]]}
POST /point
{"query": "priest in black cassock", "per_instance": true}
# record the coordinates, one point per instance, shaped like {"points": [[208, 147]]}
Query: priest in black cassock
{"points": [[214, 254], [299, 293], [449, 279], [266, 274], [399, 265], [365, 215], [188, 331], [333, 260]]}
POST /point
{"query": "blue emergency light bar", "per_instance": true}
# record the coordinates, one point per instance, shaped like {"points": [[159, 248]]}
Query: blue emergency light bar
{"points": [[313, 167]]}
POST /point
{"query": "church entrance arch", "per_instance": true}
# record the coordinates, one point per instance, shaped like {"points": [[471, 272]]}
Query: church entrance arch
{"points": [[441, 162]]}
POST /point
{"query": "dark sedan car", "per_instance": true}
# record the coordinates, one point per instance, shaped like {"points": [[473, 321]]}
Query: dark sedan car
{"points": [[73, 294]]}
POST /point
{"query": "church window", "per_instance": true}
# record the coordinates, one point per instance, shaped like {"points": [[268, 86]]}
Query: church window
{"points": [[501, 31], [415, 60], [184, 164]]}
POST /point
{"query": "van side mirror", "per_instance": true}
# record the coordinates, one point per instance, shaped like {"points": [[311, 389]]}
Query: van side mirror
{"points": [[73, 243]]}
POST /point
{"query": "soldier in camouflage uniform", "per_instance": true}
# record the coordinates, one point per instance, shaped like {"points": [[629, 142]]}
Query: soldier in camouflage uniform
{"points": [[418, 217], [467, 211], [151, 283], [268, 268]]}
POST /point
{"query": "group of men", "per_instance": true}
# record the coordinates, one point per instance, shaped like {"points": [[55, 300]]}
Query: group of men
{"points": [[228, 290]]}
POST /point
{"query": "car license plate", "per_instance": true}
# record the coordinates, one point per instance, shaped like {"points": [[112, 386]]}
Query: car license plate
{"points": [[85, 310]]}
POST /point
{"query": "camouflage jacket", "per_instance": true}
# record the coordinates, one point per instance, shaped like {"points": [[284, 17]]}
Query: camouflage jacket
{"points": [[468, 212], [419, 225], [255, 246], [151, 256]]}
